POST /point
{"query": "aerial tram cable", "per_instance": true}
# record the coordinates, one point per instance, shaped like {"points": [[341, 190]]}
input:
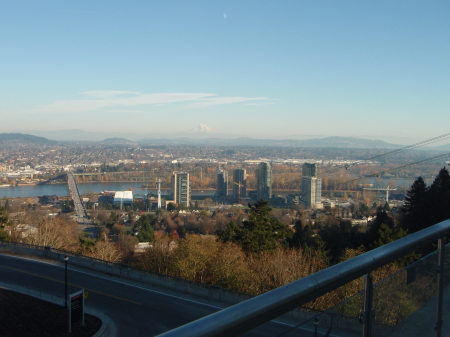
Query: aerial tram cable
{"points": [[377, 175], [409, 147]]}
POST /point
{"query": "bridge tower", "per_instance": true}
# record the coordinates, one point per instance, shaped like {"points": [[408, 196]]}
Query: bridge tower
{"points": [[158, 184]]}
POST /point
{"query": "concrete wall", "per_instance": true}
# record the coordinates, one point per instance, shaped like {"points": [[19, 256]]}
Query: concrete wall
{"points": [[202, 290]]}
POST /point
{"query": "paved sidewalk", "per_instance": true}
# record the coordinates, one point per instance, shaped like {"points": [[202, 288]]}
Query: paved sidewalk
{"points": [[421, 323]]}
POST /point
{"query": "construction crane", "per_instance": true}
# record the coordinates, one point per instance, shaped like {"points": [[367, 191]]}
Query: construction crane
{"points": [[387, 189], [239, 190]]}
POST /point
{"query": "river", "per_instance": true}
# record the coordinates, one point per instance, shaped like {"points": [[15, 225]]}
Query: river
{"points": [[62, 189], [96, 187]]}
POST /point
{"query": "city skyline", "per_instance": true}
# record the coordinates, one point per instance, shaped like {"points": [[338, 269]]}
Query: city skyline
{"points": [[306, 69]]}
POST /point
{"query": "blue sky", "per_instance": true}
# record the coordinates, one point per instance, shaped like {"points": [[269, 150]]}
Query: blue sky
{"points": [[261, 68]]}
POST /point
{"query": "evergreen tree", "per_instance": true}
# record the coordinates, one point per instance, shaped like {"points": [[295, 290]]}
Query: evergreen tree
{"points": [[297, 240], [146, 236], [387, 235], [302, 237], [260, 232], [146, 224], [322, 250], [439, 197], [382, 218], [415, 209], [4, 236], [337, 238], [7, 206], [363, 209], [425, 207], [113, 216], [3, 217]]}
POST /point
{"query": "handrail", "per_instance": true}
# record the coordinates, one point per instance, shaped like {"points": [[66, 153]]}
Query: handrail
{"points": [[258, 310]]}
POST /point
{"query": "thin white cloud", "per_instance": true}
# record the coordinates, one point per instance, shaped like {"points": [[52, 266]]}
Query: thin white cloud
{"points": [[108, 93], [103, 99], [258, 103], [222, 100], [126, 111]]}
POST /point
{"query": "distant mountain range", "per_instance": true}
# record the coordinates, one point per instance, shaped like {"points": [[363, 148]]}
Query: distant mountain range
{"points": [[201, 131], [445, 147], [342, 142], [24, 138], [79, 135]]}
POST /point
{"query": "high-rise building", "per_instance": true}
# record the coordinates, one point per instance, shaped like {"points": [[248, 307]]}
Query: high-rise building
{"points": [[311, 186], [239, 183], [264, 181], [310, 170], [222, 184], [180, 188]]}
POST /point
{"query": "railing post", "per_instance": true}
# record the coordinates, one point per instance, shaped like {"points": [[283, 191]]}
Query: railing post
{"points": [[440, 286], [367, 314]]}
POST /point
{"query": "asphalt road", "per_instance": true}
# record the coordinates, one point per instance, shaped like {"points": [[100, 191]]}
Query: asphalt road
{"points": [[136, 309], [84, 223]]}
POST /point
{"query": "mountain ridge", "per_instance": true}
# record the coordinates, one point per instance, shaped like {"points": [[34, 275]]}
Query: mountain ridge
{"points": [[212, 140], [25, 138]]}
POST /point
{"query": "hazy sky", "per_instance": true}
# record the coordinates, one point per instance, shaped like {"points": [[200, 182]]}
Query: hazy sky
{"points": [[262, 68]]}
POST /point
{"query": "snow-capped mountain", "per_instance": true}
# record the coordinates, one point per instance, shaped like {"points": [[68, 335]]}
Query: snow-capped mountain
{"points": [[201, 128]]}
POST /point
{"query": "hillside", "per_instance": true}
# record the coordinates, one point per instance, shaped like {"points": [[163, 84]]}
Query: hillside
{"points": [[117, 140], [6, 138]]}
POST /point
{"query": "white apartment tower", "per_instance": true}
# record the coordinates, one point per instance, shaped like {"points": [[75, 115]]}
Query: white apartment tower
{"points": [[311, 186], [180, 188]]}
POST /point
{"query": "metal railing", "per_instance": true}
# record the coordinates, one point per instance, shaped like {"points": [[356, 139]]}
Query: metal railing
{"points": [[258, 310]]}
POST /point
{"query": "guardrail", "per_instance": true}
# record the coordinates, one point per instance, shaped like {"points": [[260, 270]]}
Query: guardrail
{"points": [[252, 313], [123, 270]]}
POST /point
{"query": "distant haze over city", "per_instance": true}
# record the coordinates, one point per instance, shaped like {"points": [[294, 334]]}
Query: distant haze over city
{"points": [[210, 137], [204, 136]]}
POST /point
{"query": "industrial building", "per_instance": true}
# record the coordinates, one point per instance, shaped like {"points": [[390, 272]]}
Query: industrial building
{"points": [[123, 198]]}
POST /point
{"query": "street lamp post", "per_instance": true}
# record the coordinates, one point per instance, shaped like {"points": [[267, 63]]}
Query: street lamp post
{"points": [[66, 259], [316, 324]]}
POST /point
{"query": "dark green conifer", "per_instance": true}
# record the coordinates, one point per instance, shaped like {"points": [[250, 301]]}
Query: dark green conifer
{"points": [[4, 236], [439, 197], [415, 209], [260, 232]]}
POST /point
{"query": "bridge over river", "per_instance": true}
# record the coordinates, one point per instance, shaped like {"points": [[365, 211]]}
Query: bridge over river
{"points": [[84, 222]]}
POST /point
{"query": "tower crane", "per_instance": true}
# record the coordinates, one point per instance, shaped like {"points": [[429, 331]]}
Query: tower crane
{"points": [[239, 190], [387, 189]]}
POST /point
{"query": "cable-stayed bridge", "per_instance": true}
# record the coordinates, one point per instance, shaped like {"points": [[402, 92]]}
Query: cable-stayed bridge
{"points": [[82, 218]]}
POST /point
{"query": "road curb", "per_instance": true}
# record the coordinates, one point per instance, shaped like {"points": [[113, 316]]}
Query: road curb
{"points": [[108, 328]]}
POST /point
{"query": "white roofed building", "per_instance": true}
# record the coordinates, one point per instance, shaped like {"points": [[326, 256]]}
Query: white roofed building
{"points": [[123, 198]]}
